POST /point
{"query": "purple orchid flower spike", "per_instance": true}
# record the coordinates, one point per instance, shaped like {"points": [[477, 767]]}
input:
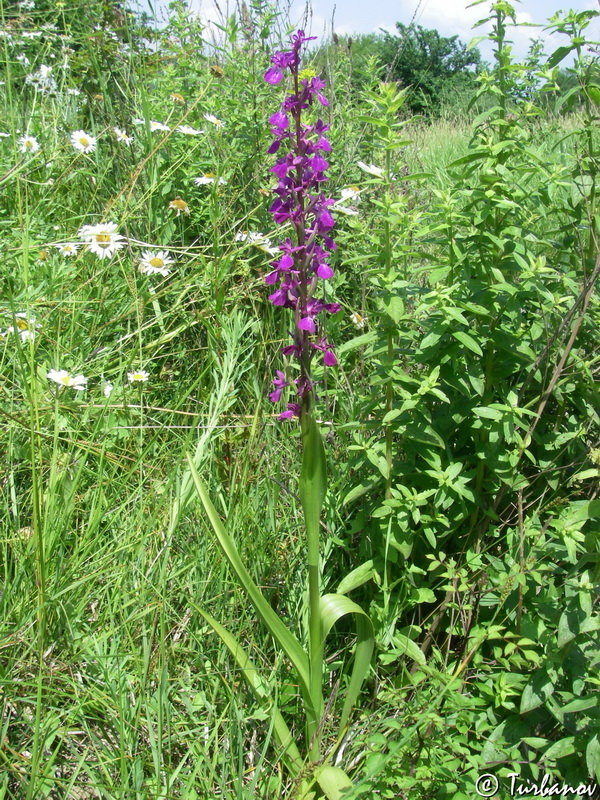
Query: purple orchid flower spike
{"points": [[300, 201]]}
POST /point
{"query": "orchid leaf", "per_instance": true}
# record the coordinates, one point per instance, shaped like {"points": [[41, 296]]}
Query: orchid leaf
{"points": [[287, 641], [333, 608], [252, 676], [333, 781]]}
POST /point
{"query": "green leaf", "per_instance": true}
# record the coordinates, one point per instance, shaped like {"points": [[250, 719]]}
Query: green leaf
{"points": [[357, 577], [537, 691], [394, 307], [564, 747], [406, 646], [333, 608], [358, 341], [594, 94], [488, 413], [592, 757], [313, 476], [358, 491], [558, 55], [580, 704], [253, 678], [468, 159], [287, 641], [333, 781], [468, 342]]}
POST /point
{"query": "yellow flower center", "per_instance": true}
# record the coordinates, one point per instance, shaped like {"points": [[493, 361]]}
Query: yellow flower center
{"points": [[66, 380], [178, 203], [209, 174], [103, 239], [28, 143], [83, 141], [137, 376], [156, 262], [22, 325]]}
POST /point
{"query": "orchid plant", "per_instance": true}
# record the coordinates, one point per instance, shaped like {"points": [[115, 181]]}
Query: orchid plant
{"points": [[301, 204]]}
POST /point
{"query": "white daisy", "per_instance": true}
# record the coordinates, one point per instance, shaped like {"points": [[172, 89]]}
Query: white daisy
{"points": [[102, 239], [138, 376], [359, 321], [208, 177], [107, 391], [188, 130], [215, 120], [350, 193], [180, 206], [371, 169], [73, 92], [122, 136], [155, 263], [83, 142], [348, 210], [158, 126], [63, 378], [26, 326], [28, 144], [67, 249], [138, 121]]}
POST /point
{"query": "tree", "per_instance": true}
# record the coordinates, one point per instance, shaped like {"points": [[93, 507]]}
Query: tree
{"points": [[434, 66]]}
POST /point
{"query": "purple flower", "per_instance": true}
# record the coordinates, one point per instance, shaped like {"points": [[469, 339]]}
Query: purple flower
{"points": [[299, 201], [280, 383]]}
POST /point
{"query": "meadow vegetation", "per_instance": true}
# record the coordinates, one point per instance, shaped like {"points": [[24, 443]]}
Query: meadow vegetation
{"points": [[460, 425]]}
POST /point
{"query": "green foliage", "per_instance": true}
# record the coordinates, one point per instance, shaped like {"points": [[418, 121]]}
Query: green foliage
{"points": [[461, 429], [433, 66]]}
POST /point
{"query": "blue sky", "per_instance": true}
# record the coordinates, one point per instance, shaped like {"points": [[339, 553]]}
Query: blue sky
{"points": [[450, 17]]}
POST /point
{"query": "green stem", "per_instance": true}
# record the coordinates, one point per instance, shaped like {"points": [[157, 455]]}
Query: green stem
{"points": [[389, 389]]}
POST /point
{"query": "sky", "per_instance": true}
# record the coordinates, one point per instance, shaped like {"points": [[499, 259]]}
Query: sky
{"points": [[449, 17]]}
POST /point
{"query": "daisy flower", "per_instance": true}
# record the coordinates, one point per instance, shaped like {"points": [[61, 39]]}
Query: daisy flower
{"points": [[83, 142], [215, 120], [208, 177], [180, 206], [138, 376], [158, 126], [122, 136], [26, 326], [28, 144], [177, 98], [188, 130], [371, 169], [63, 378], [350, 193], [107, 391], [359, 321], [155, 263], [67, 249], [102, 239]]}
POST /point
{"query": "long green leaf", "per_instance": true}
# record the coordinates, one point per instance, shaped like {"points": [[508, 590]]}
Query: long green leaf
{"points": [[287, 641], [333, 781], [333, 608], [312, 487], [283, 735]]}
